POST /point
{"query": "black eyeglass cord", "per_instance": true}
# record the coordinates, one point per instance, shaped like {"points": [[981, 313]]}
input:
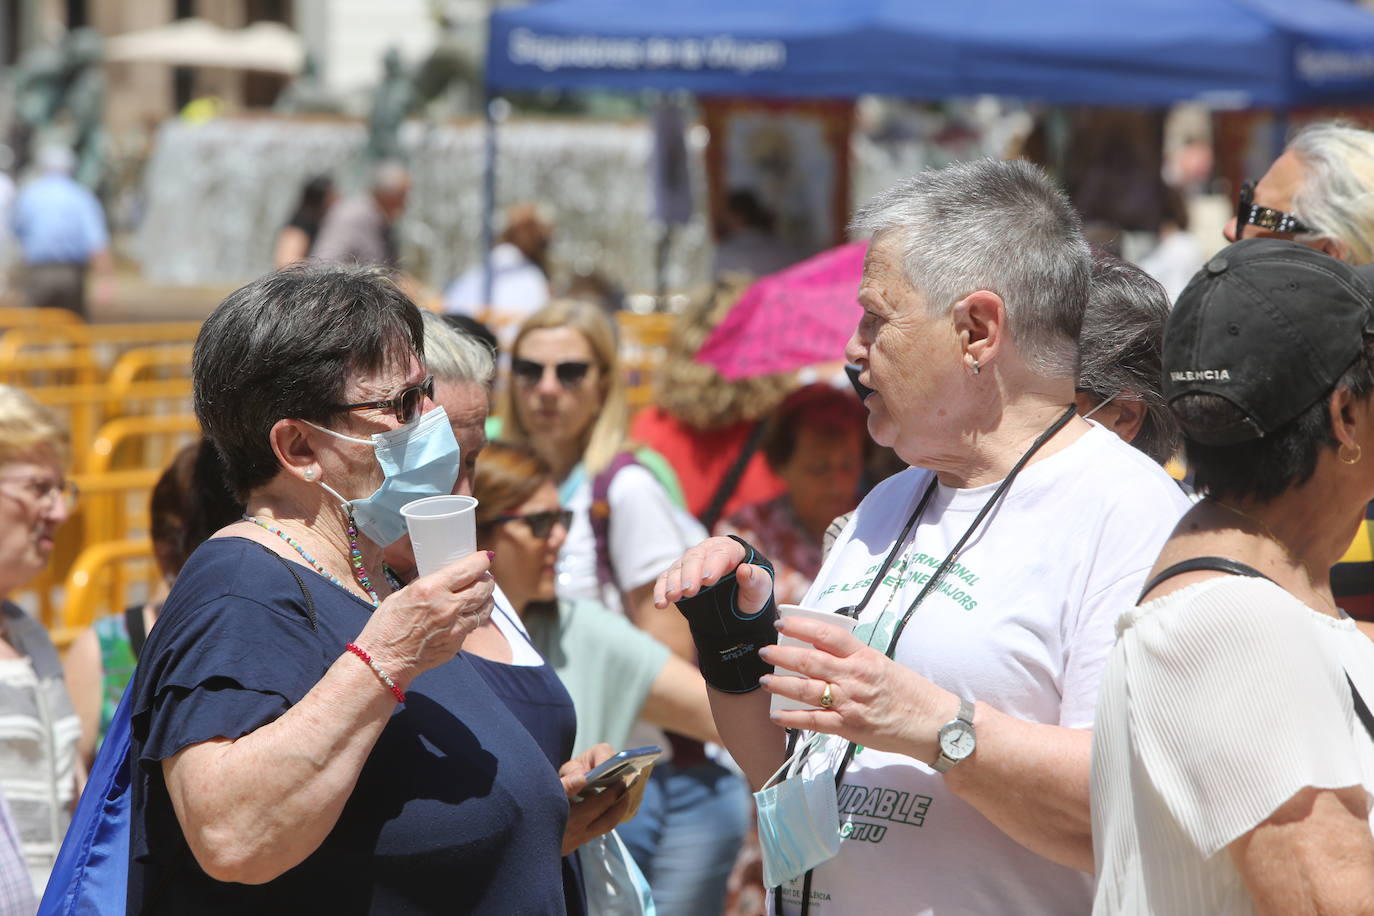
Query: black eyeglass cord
{"points": [[930, 586]]}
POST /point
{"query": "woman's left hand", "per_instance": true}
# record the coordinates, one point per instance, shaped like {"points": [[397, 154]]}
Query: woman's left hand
{"points": [[877, 703], [599, 812]]}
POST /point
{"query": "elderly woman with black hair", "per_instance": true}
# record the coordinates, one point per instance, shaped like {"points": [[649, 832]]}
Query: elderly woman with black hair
{"points": [[1233, 754], [1118, 355], [306, 737]]}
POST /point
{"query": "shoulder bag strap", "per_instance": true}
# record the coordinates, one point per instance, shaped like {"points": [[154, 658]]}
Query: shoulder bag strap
{"points": [[309, 601], [600, 514], [730, 482], [1219, 564], [133, 622]]}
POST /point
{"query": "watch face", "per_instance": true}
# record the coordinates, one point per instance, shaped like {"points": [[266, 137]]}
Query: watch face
{"points": [[956, 740]]}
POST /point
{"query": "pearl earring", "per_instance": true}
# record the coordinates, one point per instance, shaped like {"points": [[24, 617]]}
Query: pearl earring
{"points": [[976, 370]]}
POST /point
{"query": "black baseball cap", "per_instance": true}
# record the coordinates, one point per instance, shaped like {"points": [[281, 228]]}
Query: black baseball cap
{"points": [[1270, 325]]}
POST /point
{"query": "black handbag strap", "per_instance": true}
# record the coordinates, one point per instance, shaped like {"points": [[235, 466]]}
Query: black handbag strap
{"points": [[730, 482], [1219, 564], [138, 634], [1237, 568]]}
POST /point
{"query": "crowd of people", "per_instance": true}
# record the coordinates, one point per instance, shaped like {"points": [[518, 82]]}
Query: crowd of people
{"points": [[1039, 675]]}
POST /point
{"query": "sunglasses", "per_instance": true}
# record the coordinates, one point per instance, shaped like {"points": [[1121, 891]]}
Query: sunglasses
{"points": [[1248, 213], [540, 523], [569, 374], [406, 405]]}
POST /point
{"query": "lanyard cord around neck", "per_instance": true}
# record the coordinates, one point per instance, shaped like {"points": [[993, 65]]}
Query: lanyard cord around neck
{"points": [[930, 586]]}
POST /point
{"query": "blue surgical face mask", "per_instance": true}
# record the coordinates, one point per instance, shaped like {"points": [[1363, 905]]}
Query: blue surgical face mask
{"points": [[1099, 406], [419, 459], [799, 821]]}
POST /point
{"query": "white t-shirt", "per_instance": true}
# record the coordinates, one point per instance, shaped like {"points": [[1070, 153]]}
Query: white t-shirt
{"points": [[518, 290], [522, 651], [1219, 703], [1023, 622], [645, 535]]}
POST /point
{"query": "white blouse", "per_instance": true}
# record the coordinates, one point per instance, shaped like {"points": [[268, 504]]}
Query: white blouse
{"points": [[1219, 703]]}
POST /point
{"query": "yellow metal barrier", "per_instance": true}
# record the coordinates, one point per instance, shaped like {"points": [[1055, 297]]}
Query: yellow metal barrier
{"points": [[107, 341], [151, 363], [52, 367], [643, 347], [85, 408], [140, 442], [16, 316], [105, 579]]}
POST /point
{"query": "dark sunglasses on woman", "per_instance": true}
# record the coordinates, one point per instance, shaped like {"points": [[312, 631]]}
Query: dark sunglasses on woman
{"points": [[569, 374], [540, 523], [1249, 213], [405, 405]]}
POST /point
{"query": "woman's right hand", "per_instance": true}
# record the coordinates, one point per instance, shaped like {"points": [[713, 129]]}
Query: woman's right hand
{"points": [[705, 565], [424, 624]]}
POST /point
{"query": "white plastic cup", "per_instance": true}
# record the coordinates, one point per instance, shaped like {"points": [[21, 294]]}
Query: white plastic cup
{"points": [[442, 529], [791, 610]]}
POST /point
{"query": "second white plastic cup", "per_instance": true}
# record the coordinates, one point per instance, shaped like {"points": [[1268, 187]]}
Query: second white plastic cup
{"points": [[825, 617], [442, 529]]}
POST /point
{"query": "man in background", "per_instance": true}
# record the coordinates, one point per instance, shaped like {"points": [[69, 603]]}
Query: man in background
{"points": [[60, 229]]}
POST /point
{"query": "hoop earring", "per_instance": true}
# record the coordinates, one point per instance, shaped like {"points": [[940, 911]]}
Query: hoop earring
{"points": [[1340, 453]]}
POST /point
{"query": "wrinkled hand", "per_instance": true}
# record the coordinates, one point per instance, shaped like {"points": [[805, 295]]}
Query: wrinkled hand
{"points": [[598, 813], [424, 624], [877, 702], [706, 564]]}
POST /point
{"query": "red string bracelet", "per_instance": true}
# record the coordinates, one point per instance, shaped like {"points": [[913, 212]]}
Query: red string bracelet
{"points": [[377, 670]]}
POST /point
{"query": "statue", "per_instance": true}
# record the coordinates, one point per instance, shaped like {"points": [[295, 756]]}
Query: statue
{"points": [[62, 90], [306, 94], [85, 102], [392, 100]]}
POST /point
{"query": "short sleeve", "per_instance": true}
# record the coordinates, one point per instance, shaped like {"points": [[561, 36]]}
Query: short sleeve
{"points": [[221, 670], [1235, 706], [1088, 642], [644, 537]]}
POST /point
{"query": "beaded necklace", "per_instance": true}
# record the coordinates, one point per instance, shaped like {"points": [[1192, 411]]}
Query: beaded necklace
{"points": [[355, 556]]}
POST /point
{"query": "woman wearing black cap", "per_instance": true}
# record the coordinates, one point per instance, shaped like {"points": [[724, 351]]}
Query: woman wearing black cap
{"points": [[1233, 753]]}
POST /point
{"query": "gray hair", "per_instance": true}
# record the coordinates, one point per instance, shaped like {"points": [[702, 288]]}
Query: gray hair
{"points": [[998, 226], [453, 356], [1336, 193], [390, 175], [1121, 346]]}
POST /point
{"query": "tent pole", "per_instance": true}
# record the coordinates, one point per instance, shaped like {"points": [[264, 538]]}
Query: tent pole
{"points": [[495, 110], [1280, 133]]}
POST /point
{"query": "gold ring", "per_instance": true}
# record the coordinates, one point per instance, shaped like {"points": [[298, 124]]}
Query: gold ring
{"points": [[827, 700]]}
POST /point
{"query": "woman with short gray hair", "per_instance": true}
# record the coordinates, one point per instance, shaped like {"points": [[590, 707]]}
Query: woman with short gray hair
{"points": [[982, 584]]}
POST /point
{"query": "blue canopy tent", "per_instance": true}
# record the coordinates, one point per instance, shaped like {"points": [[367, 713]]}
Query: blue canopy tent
{"points": [[1229, 53], [1252, 53]]}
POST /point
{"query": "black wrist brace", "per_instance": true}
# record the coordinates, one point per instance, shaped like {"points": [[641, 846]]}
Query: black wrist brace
{"points": [[727, 642]]}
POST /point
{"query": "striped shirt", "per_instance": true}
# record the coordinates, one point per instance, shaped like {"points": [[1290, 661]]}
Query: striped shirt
{"points": [[38, 733], [1219, 703]]}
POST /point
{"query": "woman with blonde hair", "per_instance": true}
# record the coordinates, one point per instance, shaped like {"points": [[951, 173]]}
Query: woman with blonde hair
{"points": [[38, 759], [567, 403]]}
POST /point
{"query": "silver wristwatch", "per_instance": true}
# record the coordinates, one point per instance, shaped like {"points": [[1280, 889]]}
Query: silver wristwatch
{"points": [[957, 740]]}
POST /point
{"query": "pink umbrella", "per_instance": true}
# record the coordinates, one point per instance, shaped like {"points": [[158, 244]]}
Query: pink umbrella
{"points": [[793, 318]]}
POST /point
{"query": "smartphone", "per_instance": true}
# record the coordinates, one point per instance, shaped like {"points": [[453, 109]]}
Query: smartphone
{"points": [[615, 768]]}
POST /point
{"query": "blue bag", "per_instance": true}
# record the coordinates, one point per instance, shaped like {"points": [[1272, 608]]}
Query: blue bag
{"points": [[91, 874]]}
